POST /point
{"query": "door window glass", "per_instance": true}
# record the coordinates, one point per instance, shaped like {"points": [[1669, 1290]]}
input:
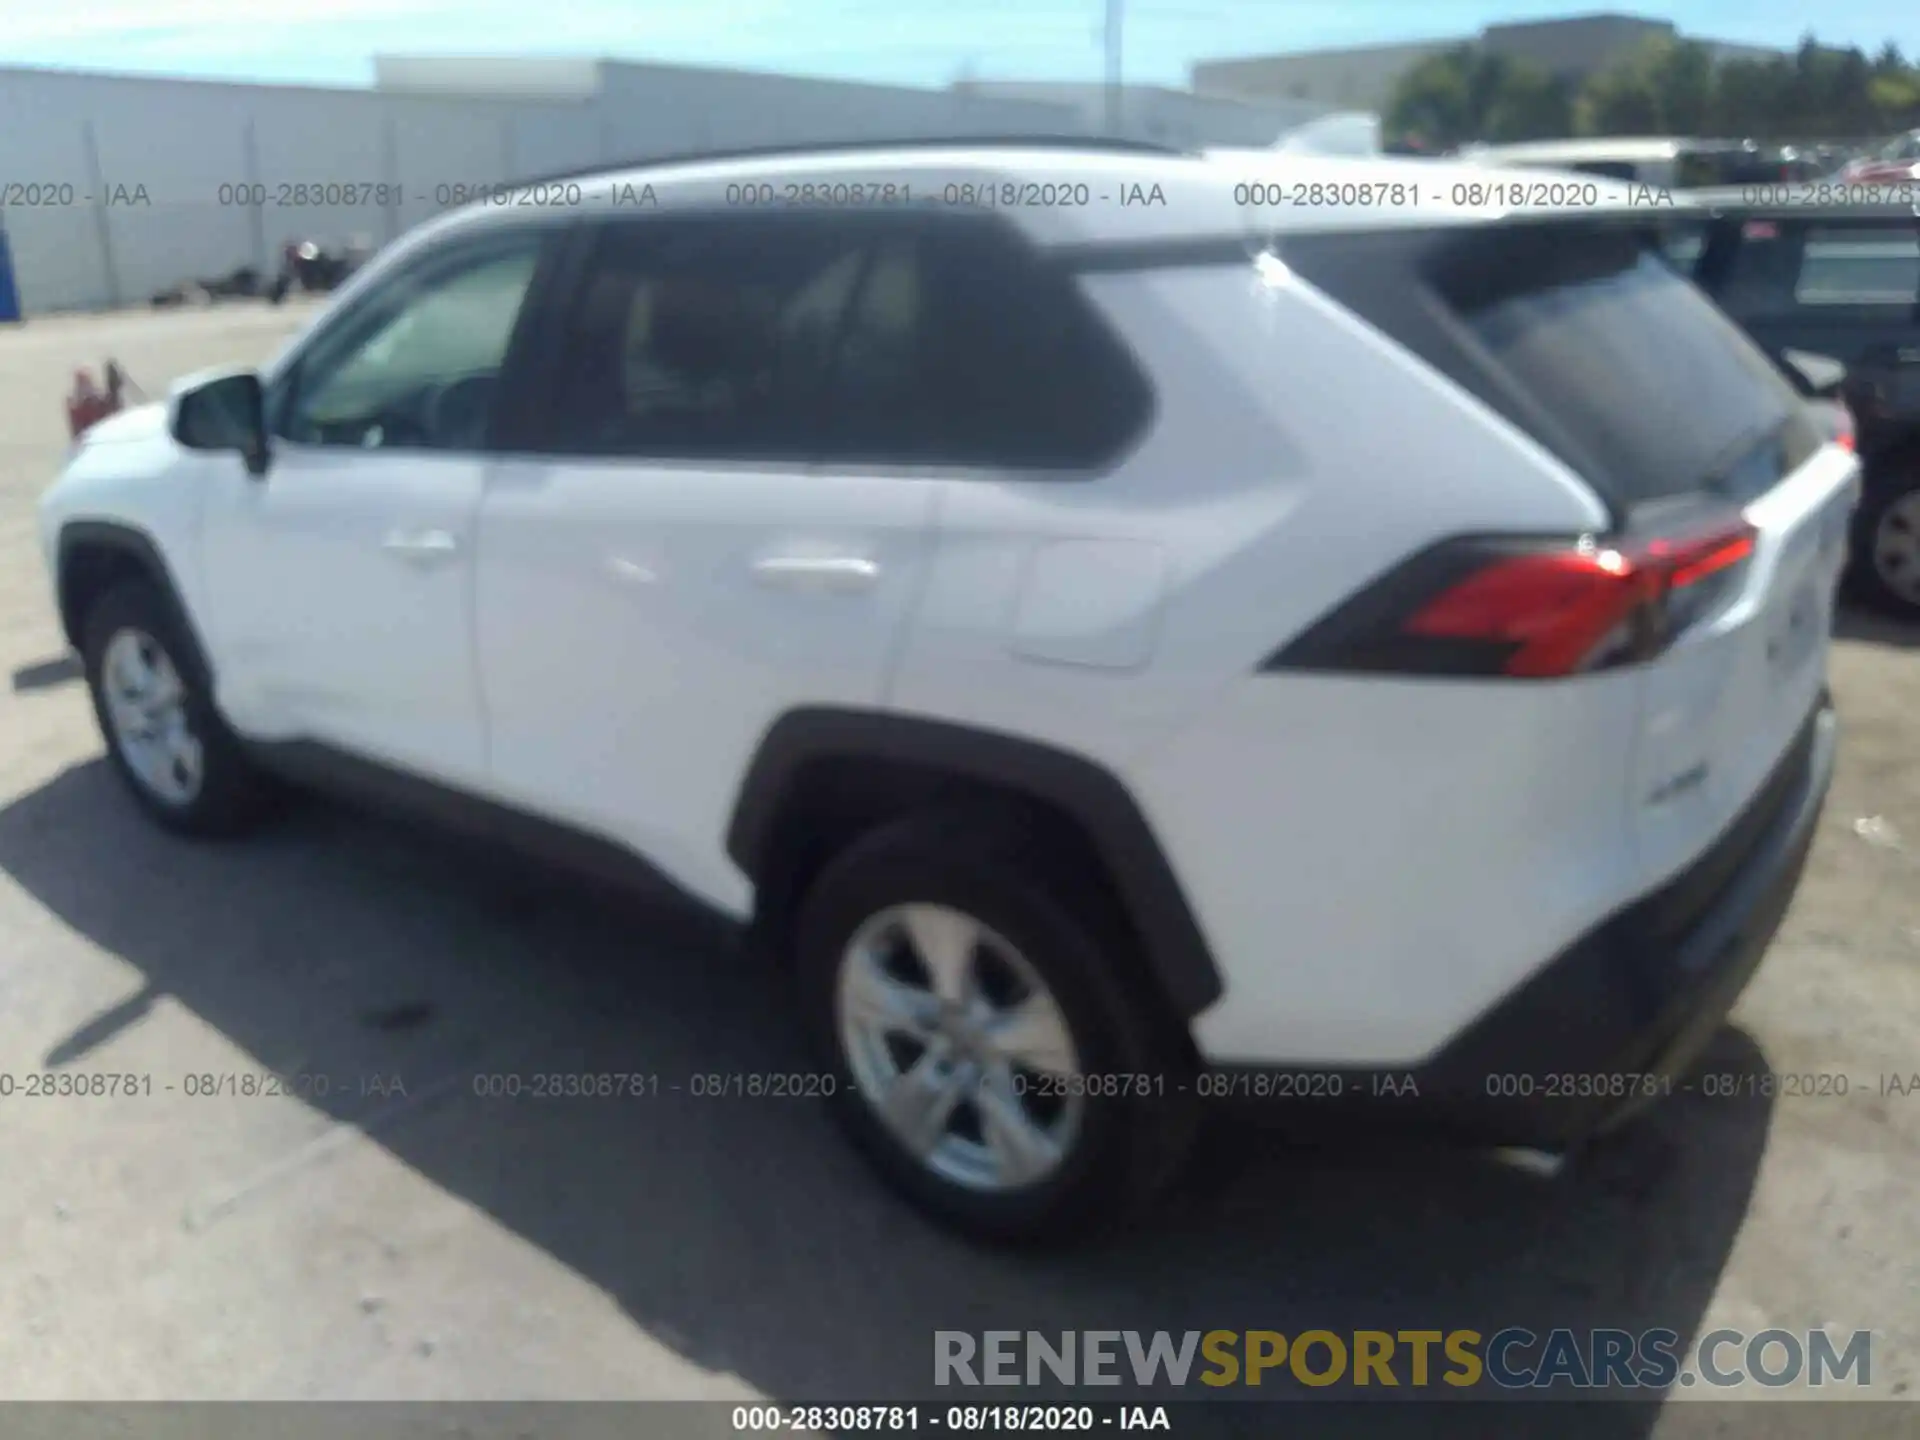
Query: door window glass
{"points": [[1860, 265], [703, 339], [418, 366], [870, 340]]}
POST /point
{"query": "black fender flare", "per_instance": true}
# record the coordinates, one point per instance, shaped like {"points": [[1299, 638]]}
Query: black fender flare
{"points": [[1092, 796], [143, 551]]}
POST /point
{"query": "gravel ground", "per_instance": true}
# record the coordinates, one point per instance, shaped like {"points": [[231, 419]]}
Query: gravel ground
{"points": [[371, 1243]]}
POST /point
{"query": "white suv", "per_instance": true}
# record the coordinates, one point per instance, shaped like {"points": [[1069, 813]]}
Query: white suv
{"points": [[1131, 628]]}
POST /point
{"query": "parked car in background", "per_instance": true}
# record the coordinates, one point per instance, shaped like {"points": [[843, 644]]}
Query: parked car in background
{"points": [[1845, 283], [1898, 159], [316, 269], [1674, 162]]}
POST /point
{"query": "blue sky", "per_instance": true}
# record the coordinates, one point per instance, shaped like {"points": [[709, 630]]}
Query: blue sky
{"points": [[907, 41]]}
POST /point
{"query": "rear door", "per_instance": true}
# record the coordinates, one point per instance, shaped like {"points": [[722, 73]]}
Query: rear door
{"points": [[672, 561]]}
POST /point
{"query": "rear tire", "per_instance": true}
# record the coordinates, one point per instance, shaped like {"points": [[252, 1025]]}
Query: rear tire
{"points": [[1087, 1135], [1887, 563], [152, 700]]}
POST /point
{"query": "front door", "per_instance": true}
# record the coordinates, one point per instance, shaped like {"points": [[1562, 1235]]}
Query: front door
{"points": [[340, 582]]}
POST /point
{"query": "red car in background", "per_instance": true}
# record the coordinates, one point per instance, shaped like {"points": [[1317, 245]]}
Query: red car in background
{"points": [[1898, 159]]}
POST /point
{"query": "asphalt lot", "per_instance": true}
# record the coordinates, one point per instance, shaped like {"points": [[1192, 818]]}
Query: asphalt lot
{"points": [[432, 1244]]}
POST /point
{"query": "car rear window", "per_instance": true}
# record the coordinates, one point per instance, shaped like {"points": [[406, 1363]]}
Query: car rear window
{"points": [[1584, 336], [1638, 367]]}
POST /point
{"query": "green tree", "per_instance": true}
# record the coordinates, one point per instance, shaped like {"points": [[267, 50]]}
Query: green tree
{"points": [[1624, 98], [1431, 100], [1748, 96], [1893, 91], [1668, 87], [1468, 93], [1896, 100]]}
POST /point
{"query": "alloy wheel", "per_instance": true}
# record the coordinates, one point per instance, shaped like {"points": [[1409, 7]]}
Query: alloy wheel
{"points": [[146, 705], [959, 1048]]}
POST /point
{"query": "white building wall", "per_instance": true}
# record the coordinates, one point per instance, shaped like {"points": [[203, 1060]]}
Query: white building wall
{"points": [[663, 110], [170, 146], [1163, 116]]}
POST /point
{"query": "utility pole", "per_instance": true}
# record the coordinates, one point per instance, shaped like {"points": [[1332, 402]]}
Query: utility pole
{"points": [[1114, 91]]}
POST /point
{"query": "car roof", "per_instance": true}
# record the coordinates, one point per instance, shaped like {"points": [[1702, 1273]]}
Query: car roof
{"points": [[1074, 193]]}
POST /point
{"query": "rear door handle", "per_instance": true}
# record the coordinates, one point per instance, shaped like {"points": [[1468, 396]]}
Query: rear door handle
{"points": [[837, 573], [420, 546]]}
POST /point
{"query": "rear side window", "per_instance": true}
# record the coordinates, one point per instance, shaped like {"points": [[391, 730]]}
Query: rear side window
{"points": [[1783, 266], [1860, 265], [1584, 336], [701, 340], [858, 339], [963, 348]]}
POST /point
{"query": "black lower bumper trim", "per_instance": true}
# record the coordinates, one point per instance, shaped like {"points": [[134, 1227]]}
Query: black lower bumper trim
{"points": [[1615, 1020]]}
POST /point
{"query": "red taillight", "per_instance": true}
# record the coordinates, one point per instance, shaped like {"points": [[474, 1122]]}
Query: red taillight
{"points": [[1561, 612]]}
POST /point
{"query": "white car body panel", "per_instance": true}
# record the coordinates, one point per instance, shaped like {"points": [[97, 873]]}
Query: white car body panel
{"points": [[641, 626], [333, 617]]}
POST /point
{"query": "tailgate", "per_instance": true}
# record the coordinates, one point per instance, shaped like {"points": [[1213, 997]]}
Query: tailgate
{"points": [[1723, 705]]}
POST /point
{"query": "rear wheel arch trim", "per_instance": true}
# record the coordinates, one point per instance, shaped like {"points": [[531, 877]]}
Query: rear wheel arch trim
{"points": [[144, 551], [1149, 892]]}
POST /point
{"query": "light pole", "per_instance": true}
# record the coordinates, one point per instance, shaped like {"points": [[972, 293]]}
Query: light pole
{"points": [[1114, 94]]}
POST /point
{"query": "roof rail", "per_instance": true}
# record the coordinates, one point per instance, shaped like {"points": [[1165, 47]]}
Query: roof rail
{"points": [[854, 147]]}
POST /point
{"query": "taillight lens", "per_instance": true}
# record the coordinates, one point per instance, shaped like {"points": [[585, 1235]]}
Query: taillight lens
{"points": [[1534, 611]]}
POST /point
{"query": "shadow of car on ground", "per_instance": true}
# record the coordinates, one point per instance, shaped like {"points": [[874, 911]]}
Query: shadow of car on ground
{"points": [[738, 1232]]}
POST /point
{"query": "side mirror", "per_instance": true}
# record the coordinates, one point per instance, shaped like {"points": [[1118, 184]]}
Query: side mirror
{"points": [[227, 411]]}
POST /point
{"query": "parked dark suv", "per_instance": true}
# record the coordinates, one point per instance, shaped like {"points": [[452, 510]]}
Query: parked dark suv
{"points": [[1841, 282]]}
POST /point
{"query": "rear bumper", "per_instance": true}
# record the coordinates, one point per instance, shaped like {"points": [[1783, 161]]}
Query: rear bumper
{"points": [[1613, 1022]]}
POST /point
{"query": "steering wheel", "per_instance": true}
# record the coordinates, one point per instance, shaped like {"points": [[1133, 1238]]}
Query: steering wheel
{"points": [[455, 414]]}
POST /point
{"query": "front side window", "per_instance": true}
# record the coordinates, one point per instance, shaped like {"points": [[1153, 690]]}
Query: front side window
{"points": [[416, 366]]}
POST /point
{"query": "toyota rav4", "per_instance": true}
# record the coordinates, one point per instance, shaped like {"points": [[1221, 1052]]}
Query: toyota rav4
{"points": [[1114, 621]]}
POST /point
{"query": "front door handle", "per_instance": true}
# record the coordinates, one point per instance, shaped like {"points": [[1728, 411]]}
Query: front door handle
{"points": [[420, 546], [838, 573]]}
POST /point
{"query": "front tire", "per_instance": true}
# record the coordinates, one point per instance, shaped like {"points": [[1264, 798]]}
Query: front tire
{"points": [[152, 700], [994, 1058]]}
